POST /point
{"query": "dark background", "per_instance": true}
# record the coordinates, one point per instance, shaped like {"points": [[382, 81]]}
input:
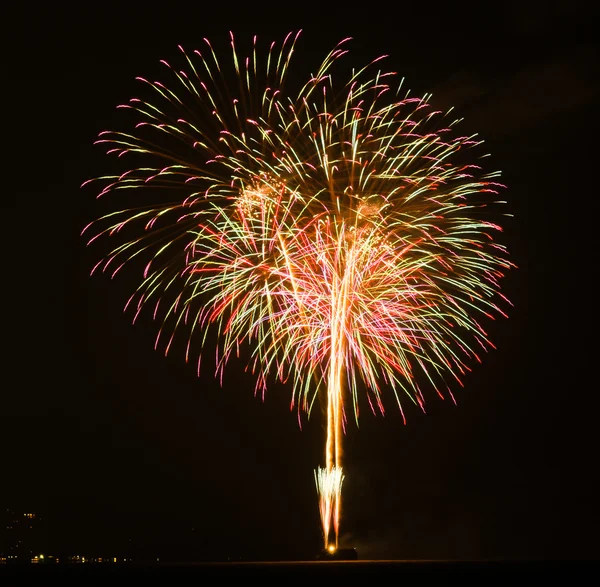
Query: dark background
{"points": [[124, 451]]}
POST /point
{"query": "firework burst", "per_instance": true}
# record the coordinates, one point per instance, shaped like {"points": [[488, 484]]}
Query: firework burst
{"points": [[342, 231]]}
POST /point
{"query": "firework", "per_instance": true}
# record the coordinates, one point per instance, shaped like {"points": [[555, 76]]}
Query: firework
{"points": [[340, 230], [329, 487]]}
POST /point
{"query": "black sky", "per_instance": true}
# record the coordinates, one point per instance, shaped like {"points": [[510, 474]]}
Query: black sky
{"points": [[114, 442]]}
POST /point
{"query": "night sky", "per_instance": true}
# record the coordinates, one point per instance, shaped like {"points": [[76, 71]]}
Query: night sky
{"points": [[117, 445]]}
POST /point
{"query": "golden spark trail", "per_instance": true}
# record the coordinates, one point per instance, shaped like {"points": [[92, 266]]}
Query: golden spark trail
{"points": [[341, 300], [333, 451]]}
